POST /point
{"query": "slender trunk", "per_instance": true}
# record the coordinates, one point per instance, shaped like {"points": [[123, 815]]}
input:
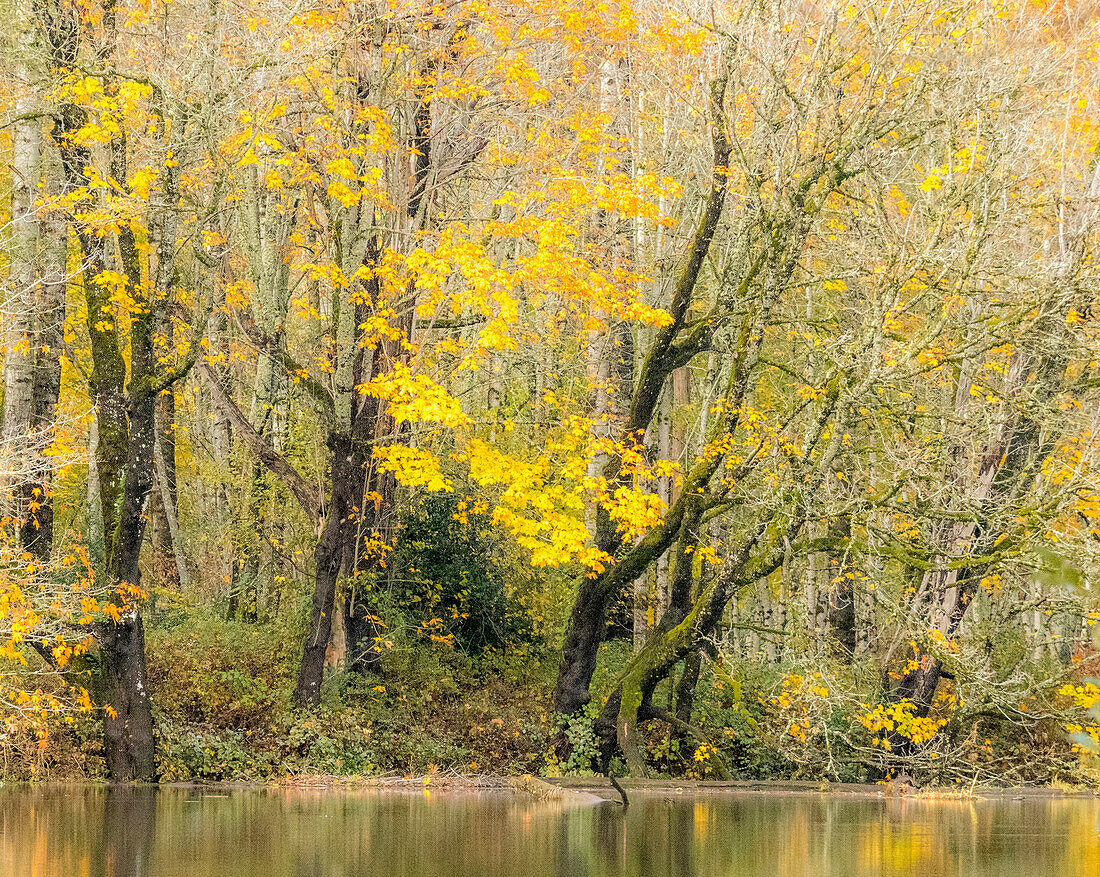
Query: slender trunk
{"points": [[16, 431], [841, 613], [816, 563], [376, 522], [49, 342], [842, 620], [35, 314], [685, 687], [175, 570], [94, 498], [169, 570]]}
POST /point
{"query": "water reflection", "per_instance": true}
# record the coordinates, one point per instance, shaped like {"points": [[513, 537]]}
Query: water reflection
{"points": [[64, 832]]}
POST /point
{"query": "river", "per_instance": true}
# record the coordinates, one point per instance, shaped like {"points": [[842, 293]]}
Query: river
{"points": [[277, 832]]}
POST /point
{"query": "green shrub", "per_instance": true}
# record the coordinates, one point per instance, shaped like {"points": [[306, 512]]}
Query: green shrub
{"points": [[335, 742], [444, 575], [186, 753]]}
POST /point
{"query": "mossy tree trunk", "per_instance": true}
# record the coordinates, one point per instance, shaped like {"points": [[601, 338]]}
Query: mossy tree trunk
{"points": [[328, 559], [696, 605], [673, 347], [124, 399]]}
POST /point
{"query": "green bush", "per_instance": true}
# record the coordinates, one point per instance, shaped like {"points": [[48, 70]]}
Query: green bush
{"points": [[187, 753], [335, 742], [444, 575]]}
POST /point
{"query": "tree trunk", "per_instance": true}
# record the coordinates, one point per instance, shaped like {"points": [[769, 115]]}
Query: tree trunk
{"points": [[123, 688], [169, 567], [667, 353], [128, 725], [328, 557], [35, 312], [125, 424], [840, 618], [376, 521], [49, 342], [16, 431], [165, 458], [685, 687], [582, 645]]}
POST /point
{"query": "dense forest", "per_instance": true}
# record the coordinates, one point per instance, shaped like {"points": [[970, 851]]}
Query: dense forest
{"points": [[657, 387]]}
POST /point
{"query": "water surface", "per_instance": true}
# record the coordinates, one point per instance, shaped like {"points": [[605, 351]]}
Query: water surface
{"points": [[66, 832]]}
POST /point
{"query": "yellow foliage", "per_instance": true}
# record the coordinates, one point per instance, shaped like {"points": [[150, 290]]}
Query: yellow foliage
{"points": [[415, 398], [899, 718], [412, 467]]}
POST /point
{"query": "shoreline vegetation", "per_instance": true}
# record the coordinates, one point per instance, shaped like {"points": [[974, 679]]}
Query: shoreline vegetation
{"points": [[441, 715], [706, 390]]}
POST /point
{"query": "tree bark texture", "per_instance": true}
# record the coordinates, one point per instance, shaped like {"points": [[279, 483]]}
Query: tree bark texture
{"points": [[125, 422]]}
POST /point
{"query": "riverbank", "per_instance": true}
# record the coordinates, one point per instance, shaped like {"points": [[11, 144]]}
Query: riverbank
{"points": [[602, 788], [586, 791]]}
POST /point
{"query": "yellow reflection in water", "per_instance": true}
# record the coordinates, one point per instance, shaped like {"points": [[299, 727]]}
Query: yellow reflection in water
{"points": [[295, 833]]}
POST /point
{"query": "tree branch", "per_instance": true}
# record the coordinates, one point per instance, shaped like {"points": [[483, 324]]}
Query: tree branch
{"points": [[308, 496], [260, 339]]}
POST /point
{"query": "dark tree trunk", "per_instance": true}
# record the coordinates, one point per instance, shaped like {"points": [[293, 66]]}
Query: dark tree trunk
{"points": [[124, 408], [685, 688], [919, 684], [362, 629], [374, 531], [329, 558], [124, 462], [362, 626], [128, 725], [123, 688], [582, 645], [364, 549], [50, 317], [840, 620]]}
